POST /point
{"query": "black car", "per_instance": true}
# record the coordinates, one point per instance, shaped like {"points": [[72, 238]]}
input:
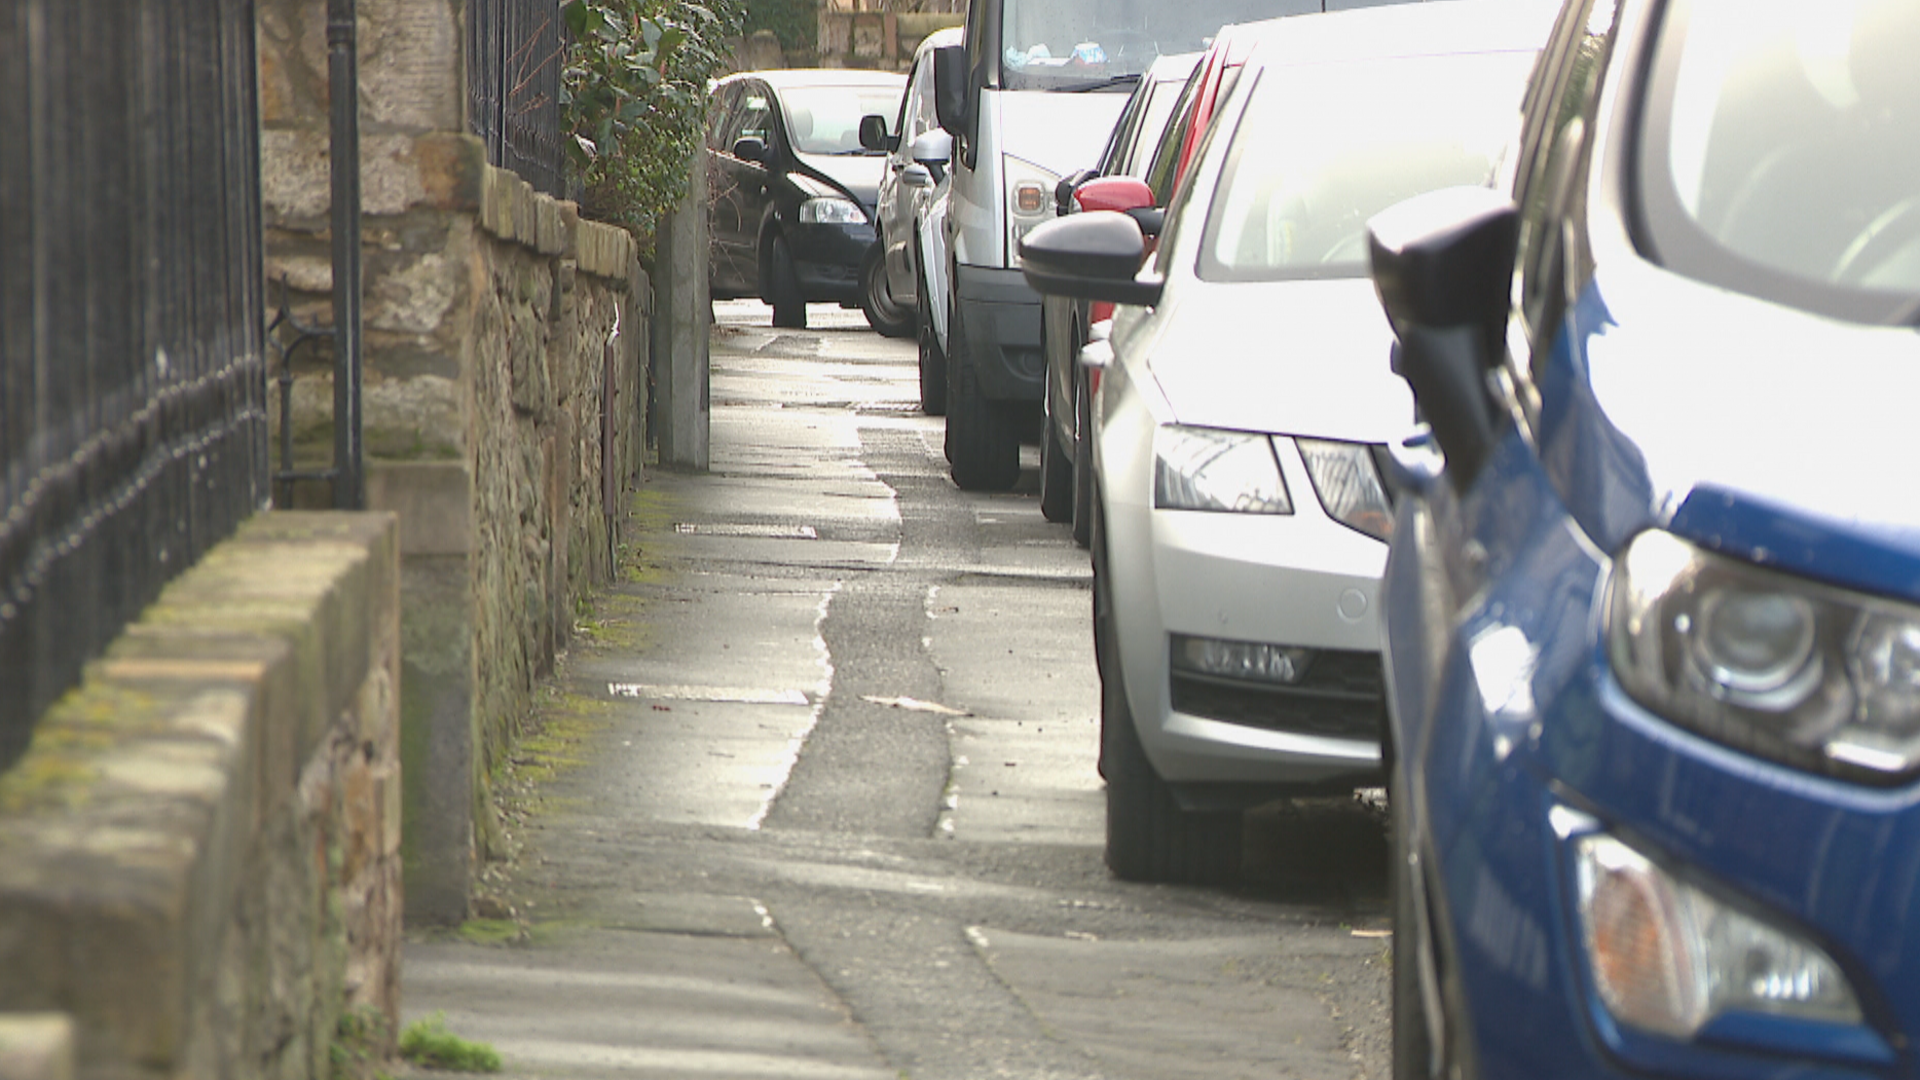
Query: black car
{"points": [[792, 190]]}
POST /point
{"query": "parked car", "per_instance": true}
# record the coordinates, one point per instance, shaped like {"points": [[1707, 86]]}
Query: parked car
{"points": [[1239, 518], [1066, 462], [1653, 601], [890, 280], [1030, 97], [792, 190]]}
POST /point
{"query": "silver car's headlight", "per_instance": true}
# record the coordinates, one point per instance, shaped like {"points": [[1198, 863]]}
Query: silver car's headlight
{"points": [[1809, 675], [831, 210], [1210, 469], [1667, 957], [1347, 480]]}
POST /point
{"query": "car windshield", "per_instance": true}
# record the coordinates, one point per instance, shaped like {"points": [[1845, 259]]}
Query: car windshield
{"points": [[1088, 44], [826, 119], [1781, 158], [1321, 148]]}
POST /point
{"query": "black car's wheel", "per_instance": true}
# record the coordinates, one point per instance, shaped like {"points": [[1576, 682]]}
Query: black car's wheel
{"points": [[887, 318], [782, 288], [1056, 471], [933, 362], [1082, 459], [983, 444], [1149, 837], [1412, 1041]]}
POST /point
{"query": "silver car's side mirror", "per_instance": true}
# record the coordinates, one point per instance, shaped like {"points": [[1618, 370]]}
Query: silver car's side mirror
{"points": [[933, 148], [916, 175]]}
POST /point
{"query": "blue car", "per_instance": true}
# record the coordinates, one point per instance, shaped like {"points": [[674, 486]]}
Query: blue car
{"points": [[1653, 596]]}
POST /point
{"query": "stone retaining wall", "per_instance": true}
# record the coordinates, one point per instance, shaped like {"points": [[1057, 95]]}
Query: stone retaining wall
{"points": [[504, 395], [200, 851], [875, 39]]}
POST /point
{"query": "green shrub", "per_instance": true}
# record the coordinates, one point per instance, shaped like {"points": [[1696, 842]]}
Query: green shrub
{"points": [[428, 1043], [633, 102]]}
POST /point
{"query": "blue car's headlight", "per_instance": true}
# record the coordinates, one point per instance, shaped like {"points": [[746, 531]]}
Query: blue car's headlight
{"points": [[1210, 469], [1813, 676]]}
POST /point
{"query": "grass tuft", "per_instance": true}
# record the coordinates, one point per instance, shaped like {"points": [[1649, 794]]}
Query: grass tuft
{"points": [[428, 1043]]}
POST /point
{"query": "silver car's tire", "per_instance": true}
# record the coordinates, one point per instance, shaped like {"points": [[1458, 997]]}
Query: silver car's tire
{"points": [[887, 318], [1149, 837]]}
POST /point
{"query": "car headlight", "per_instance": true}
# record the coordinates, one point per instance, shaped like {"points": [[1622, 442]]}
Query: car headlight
{"points": [[831, 210], [1668, 958], [1347, 480], [1029, 202], [1210, 469], [1809, 675]]}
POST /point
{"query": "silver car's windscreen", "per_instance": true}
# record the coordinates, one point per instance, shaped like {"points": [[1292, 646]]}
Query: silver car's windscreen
{"points": [[1321, 148]]}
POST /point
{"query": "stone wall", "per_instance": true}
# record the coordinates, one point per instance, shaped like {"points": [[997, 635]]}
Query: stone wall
{"points": [[200, 851], [504, 394], [875, 39]]}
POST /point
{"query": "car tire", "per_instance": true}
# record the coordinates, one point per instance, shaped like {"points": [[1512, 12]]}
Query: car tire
{"points": [[1056, 472], [1149, 837], [1412, 1041], [887, 318], [783, 287], [1082, 459], [983, 446], [933, 362]]}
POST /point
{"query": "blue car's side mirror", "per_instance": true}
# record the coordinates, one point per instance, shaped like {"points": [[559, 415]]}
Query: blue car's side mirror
{"points": [[1443, 266]]}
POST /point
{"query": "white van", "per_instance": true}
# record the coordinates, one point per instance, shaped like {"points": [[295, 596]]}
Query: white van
{"points": [[1029, 97]]}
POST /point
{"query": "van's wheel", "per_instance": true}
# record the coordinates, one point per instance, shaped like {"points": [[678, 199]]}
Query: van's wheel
{"points": [[1149, 837], [876, 300], [982, 442], [933, 362], [782, 287]]}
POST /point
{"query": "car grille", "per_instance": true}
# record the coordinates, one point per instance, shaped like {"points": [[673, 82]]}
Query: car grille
{"points": [[1340, 695]]}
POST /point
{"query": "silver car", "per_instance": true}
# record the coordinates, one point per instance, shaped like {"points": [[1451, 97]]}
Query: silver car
{"points": [[1240, 519]]}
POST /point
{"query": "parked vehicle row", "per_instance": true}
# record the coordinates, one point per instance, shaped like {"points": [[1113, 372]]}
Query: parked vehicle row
{"points": [[1569, 386]]}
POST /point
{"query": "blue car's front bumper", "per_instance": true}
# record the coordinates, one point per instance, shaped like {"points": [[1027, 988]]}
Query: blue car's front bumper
{"points": [[1538, 745]]}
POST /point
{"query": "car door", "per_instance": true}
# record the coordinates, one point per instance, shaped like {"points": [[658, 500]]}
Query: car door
{"points": [[897, 199], [741, 188], [723, 209]]}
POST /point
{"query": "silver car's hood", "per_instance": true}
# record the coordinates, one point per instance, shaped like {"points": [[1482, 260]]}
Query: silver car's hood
{"points": [[1294, 357]]}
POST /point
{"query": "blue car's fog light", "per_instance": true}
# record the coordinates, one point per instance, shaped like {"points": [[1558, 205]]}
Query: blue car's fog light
{"points": [[1668, 958]]}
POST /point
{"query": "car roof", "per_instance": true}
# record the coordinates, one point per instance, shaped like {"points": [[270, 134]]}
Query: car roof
{"points": [[946, 35], [785, 78], [1172, 67], [1400, 30]]}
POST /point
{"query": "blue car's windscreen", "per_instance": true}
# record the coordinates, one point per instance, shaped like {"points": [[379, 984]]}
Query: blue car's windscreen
{"points": [[1780, 154]]}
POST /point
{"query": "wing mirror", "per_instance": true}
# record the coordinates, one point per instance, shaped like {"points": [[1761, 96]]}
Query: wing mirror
{"points": [[1090, 256], [951, 86], [751, 148], [1443, 266], [1125, 194], [917, 176], [933, 149], [873, 135]]}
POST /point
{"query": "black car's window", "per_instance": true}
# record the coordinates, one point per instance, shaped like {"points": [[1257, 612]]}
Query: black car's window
{"points": [[826, 119], [1780, 155], [1300, 183], [752, 119], [720, 117]]}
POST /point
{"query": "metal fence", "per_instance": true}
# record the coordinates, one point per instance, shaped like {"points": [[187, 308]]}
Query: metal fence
{"points": [[133, 434], [513, 86]]}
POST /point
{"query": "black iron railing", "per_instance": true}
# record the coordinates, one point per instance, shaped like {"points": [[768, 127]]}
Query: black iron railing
{"points": [[133, 430], [513, 86]]}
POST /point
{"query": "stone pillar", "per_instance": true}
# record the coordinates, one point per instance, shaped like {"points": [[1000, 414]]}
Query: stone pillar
{"points": [[682, 330]]}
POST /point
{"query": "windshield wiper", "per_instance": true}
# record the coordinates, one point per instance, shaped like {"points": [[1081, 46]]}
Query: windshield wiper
{"points": [[1103, 84]]}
